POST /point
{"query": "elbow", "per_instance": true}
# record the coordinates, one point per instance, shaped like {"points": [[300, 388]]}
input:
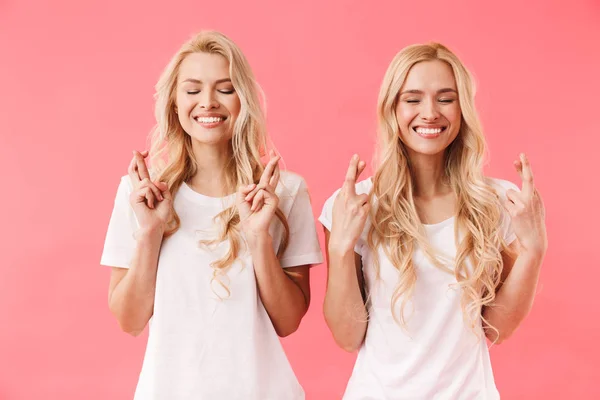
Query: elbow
{"points": [[125, 325], [499, 336], [344, 341], [349, 347], [130, 328], [287, 330], [135, 332], [348, 343]]}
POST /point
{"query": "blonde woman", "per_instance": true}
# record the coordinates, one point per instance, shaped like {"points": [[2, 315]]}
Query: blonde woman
{"points": [[211, 245], [428, 257]]}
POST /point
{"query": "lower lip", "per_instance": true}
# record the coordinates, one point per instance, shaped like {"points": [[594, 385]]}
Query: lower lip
{"points": [[210, 125], [429, 135]]}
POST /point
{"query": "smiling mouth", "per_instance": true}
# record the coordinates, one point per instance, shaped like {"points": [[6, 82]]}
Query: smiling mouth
{"points": [[429, 131], [210, 120]]}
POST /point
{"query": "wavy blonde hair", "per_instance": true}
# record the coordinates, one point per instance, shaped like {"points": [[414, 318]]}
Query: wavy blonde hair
{"points": [[395, 223], [171, 154]]}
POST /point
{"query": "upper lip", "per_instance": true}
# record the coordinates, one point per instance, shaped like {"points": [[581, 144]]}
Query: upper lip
{"points": [[209, 115], [429, 126]]}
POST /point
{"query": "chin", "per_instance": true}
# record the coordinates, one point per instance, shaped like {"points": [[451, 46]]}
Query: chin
{"points": [[426, 149], [210, 136]]}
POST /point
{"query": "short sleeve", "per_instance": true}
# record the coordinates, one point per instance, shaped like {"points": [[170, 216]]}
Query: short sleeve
{"points": [[506, 227], [326, 219], [303, 246], [119, 245]]}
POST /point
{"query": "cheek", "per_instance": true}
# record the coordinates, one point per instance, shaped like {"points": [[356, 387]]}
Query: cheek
{"points": [[184, 105], [404, 116], [455, 116], [234, 107]]}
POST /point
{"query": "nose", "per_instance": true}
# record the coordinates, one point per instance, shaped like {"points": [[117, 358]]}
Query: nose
{"points": [[208, 100], [430, 111]]}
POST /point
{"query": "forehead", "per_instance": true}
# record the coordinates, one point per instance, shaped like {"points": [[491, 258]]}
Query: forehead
{"points": [[430, 76], [204, 66]]}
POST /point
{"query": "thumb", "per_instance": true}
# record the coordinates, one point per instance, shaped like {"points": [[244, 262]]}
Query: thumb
{"points": [[164, 189]]}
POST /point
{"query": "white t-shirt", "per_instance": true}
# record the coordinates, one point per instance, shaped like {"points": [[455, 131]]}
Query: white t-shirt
{"points": [[199, 346], [437, 355]]}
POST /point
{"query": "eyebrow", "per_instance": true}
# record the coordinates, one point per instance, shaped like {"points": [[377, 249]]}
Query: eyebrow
{"points": [[192, 80], [415, 91]]}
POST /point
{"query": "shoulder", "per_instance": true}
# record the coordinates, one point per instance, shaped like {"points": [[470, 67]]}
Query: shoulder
{"points": [[290, 184], [500, 186], [125, 186]]}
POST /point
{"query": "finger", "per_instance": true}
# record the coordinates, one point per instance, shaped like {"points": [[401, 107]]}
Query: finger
{"points": [[361, 167], [274, 179], [269, 170], [150, 199], [514, 197], [132, 172], [527, 176], [519, 167], [252, 193], [145, 195], [142, 170], [266, 175], [363, 199], [247, 188], [350, 180], [164, 190], [243, 191], [510, 207], [157, 192], [258, 200]]}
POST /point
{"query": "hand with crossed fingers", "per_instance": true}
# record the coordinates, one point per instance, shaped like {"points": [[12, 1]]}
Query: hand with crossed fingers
{"points": [[151, 201], [257, 203], [526, 210], [350, 211]]}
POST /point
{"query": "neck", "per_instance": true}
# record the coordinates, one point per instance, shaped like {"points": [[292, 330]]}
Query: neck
{"points": [[429, 176], [211, 159]]}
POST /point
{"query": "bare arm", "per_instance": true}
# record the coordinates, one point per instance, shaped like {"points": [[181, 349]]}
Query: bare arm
{"points": [[285, 292], [131, 291], [515, 296], [344, 307]]}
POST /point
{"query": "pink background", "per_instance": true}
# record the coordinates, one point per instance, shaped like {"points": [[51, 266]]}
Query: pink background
{"points": [[76, 81]]}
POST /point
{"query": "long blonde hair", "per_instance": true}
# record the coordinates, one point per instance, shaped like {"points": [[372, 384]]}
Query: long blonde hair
{"points": [[171, 152], [396, 226]]}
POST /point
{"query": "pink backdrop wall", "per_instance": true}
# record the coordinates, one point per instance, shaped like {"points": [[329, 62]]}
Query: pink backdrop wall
{"points": [[76, 81]]}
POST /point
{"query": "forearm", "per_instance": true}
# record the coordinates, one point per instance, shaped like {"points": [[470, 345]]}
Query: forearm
{"points": [[282, 298], [344, 308], [515, 297], [132, 300]]}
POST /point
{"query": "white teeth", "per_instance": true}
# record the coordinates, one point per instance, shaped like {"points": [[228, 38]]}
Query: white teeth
{"points": [[429, 131], [209, 120]]}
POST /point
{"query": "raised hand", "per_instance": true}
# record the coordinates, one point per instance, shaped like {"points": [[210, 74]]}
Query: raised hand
{"points": [[151, 201], [257, 203], [350, 211], [527, 211]]}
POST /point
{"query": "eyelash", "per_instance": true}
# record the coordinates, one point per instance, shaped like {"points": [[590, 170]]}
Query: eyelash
{"points": [[192, 92], [445, 101]]}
